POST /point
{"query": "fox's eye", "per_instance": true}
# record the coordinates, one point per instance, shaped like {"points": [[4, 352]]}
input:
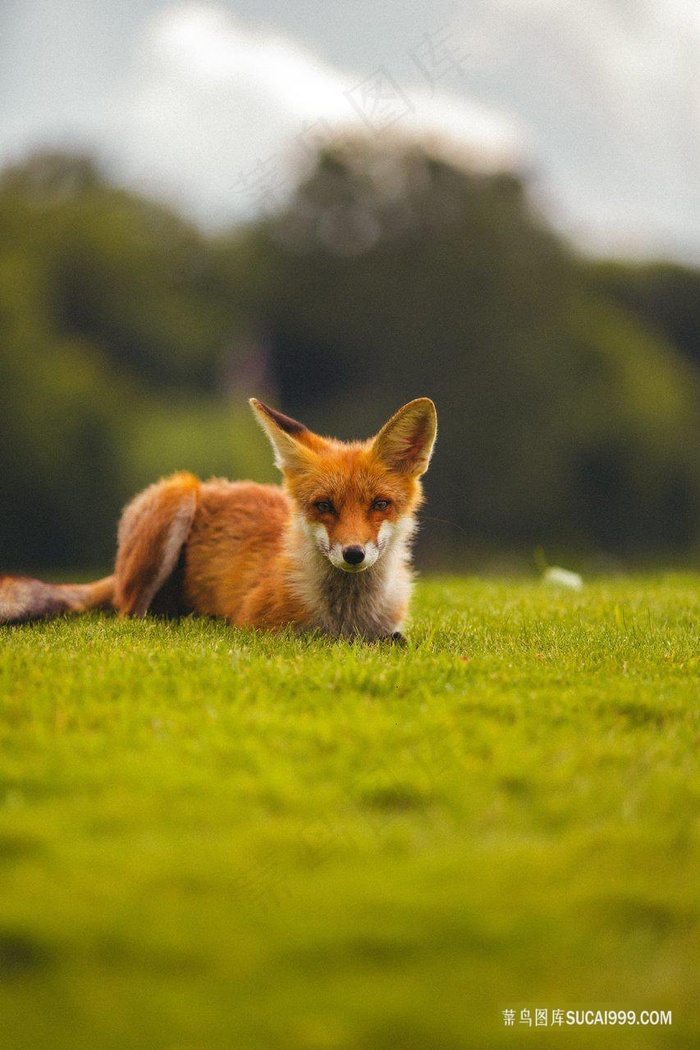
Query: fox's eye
{"points": [[324, 506], [381, 504]]}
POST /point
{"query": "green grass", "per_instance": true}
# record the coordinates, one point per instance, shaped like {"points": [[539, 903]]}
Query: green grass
{"points": [[212, 840]]}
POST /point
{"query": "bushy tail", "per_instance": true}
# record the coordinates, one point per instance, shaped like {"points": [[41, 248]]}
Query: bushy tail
{"points": [[22, 598]]}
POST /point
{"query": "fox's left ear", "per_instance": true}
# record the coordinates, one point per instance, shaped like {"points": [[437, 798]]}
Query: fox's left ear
{"points": [[405, 443], [289, 439]]}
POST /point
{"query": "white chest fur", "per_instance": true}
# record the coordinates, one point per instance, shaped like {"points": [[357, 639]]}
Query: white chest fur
{"points": [[367, 604]]}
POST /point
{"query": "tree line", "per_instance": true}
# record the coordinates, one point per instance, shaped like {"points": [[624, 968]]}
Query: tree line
{"points": [[567, 389]]}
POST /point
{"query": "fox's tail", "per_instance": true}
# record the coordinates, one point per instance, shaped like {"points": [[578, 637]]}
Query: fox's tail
{"points": [[22, 598]]}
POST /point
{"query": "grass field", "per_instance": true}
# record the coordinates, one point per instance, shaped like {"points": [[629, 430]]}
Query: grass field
{"points": [[212, 840]]}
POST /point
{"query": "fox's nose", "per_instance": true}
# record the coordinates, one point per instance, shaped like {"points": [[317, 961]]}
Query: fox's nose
{"points": [[353, 555]]}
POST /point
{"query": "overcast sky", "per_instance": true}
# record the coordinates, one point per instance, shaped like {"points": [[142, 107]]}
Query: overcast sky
{"points": [[213, 106]]}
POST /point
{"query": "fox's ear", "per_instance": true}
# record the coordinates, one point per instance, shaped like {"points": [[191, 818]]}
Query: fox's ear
{"points": [[288, 438], [405, 443]]}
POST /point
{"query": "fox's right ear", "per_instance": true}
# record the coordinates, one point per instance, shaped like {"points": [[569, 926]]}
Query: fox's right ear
{"points": [[290, 440]]}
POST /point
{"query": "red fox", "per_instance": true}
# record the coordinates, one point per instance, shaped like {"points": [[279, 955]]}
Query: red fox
{"points": [[328, 550]]}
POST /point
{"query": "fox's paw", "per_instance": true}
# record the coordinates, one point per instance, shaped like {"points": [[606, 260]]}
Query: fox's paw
{"points": [[396, 638]]}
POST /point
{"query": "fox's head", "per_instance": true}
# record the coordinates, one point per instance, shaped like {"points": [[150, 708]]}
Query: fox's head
{"points": [[355, 499]]}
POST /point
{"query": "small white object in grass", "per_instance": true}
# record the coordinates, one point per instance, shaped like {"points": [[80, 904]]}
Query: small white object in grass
{"points": [[558, 577]]}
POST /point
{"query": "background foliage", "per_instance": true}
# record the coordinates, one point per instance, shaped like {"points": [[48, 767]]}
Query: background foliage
{"points": [[567, 389]]}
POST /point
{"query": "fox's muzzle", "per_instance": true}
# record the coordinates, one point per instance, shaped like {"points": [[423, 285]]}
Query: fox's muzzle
{"points": [[353, 557], [349, 557]]}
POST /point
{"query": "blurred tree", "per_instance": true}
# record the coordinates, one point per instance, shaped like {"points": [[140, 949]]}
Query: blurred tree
{"points": [[58, 437], [563, 420], [120, 271], [111, 312], [665, 296], [567, 391]]}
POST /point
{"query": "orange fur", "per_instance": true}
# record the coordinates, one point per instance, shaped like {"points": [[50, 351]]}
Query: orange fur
{"points": [[266, 555]]}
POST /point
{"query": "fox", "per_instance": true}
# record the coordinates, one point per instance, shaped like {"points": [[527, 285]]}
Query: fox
{"points": [[328, 550]]}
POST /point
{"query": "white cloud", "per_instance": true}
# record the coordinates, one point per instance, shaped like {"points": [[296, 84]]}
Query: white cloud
{"points": [[218, 115], [601, 100], [610, 93]]}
